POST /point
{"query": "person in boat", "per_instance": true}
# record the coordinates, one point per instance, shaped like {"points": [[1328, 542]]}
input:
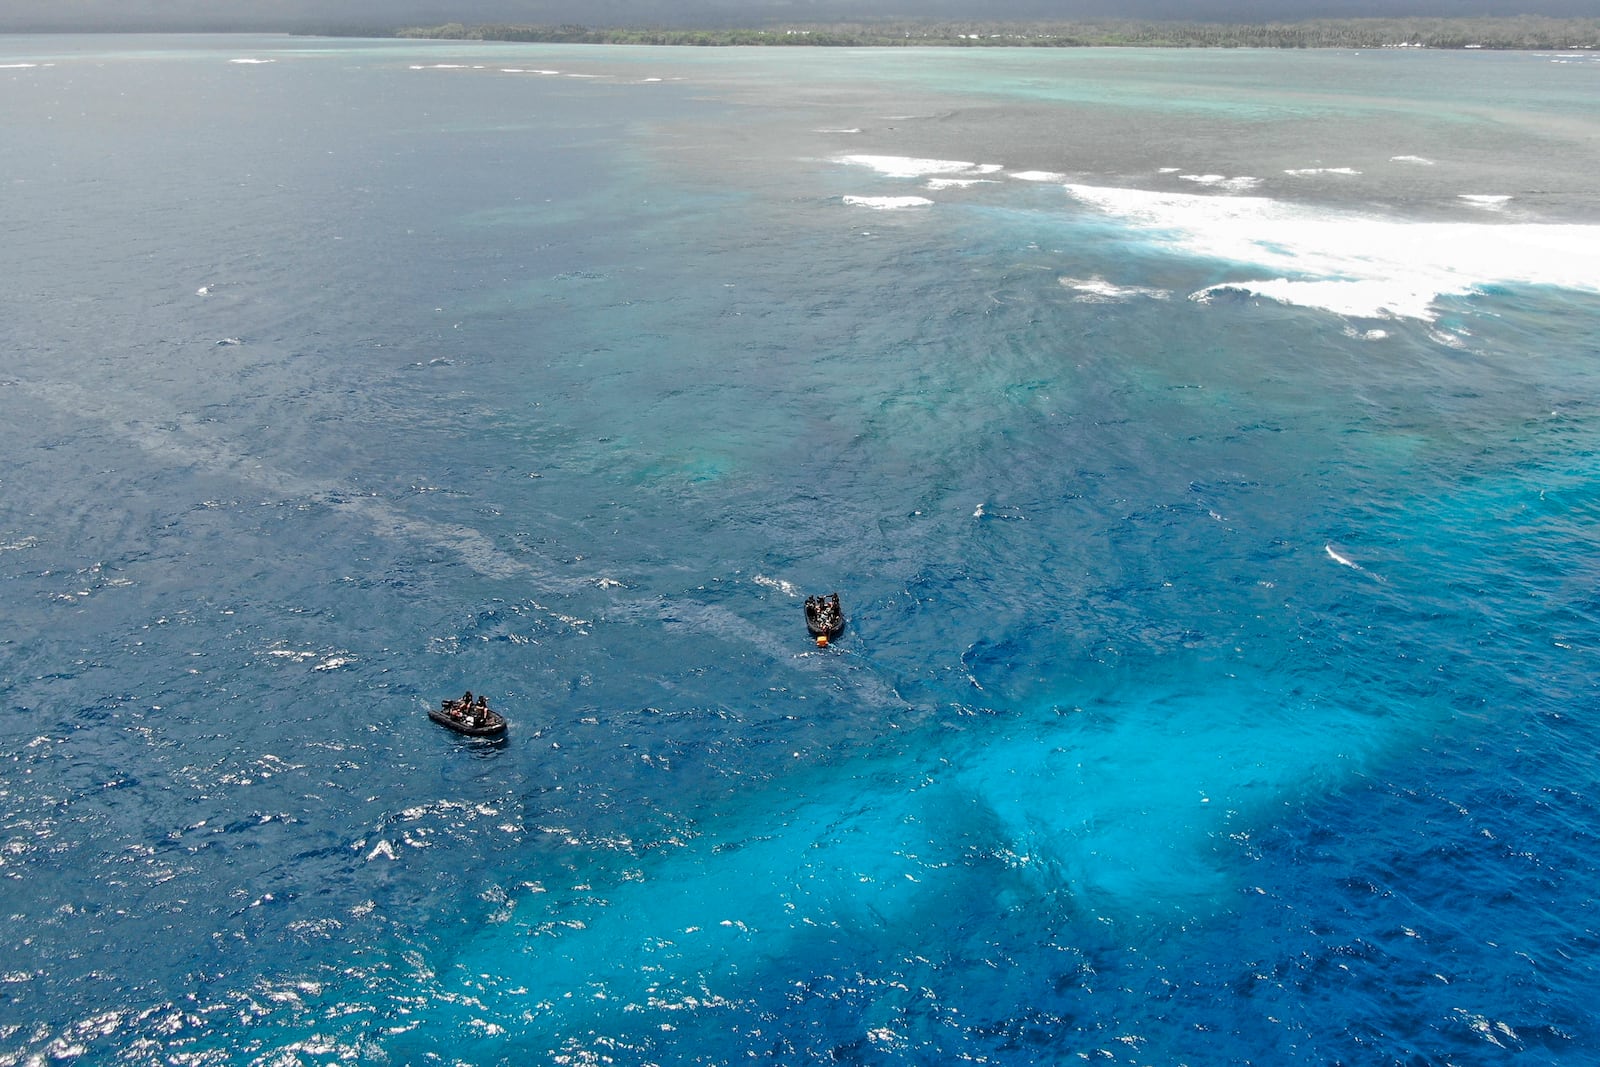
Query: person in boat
{"points": [[478, 715], [462, 706]]}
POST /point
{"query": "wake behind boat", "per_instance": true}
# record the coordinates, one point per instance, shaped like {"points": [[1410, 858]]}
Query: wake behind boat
{"points": [[469, 717]]}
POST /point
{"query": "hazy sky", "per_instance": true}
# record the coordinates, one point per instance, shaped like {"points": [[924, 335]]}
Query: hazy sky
{"points": [[386, 14]]}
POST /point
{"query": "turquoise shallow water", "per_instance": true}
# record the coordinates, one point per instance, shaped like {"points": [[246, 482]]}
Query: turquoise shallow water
{"points": [[1201, 443]]}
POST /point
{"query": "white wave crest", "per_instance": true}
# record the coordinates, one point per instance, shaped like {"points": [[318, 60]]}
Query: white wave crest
{"points": [[1358, 299], [888, 203], [1221, 181], [1098, 290], [1351, 263], [1309, 172], [909, 167], [786, 588], [1421, 161], [1343, 561]]}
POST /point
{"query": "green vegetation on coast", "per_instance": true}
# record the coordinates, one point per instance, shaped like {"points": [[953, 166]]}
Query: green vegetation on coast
{"points": [[1522, 32]]}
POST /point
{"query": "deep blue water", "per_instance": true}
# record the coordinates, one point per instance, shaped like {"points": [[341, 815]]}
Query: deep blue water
{"points": [[1202, 443]]}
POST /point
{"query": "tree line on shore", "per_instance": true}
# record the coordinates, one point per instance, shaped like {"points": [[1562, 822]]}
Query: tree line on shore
{"points": [[1529, 32]]}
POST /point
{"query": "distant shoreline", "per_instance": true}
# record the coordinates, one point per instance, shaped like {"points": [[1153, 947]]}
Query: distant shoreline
{"points": [[1520, 33]]}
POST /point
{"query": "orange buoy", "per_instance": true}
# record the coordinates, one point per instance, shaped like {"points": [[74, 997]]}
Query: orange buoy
{"points": [[822, 640]]}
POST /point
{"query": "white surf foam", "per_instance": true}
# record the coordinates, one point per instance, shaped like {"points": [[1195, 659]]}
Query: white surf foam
{"points": [[1489, 202], [1038, 176], [1421, 161], [786, 588], [1311, 172], [1357, 299], [249, 61], [1098, 290], [1221, 181], [908, 166], [888, 203], [1351, 263]]}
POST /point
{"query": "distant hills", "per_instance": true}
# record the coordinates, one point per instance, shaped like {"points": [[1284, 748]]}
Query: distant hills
{"points": [[384, 17], [1521, 32]]}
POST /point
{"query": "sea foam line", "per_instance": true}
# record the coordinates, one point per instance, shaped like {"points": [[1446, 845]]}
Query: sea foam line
{"points": [[179, 441]]}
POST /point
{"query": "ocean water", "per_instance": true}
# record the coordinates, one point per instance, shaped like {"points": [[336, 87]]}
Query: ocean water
{"points": [[1203, 445]]}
